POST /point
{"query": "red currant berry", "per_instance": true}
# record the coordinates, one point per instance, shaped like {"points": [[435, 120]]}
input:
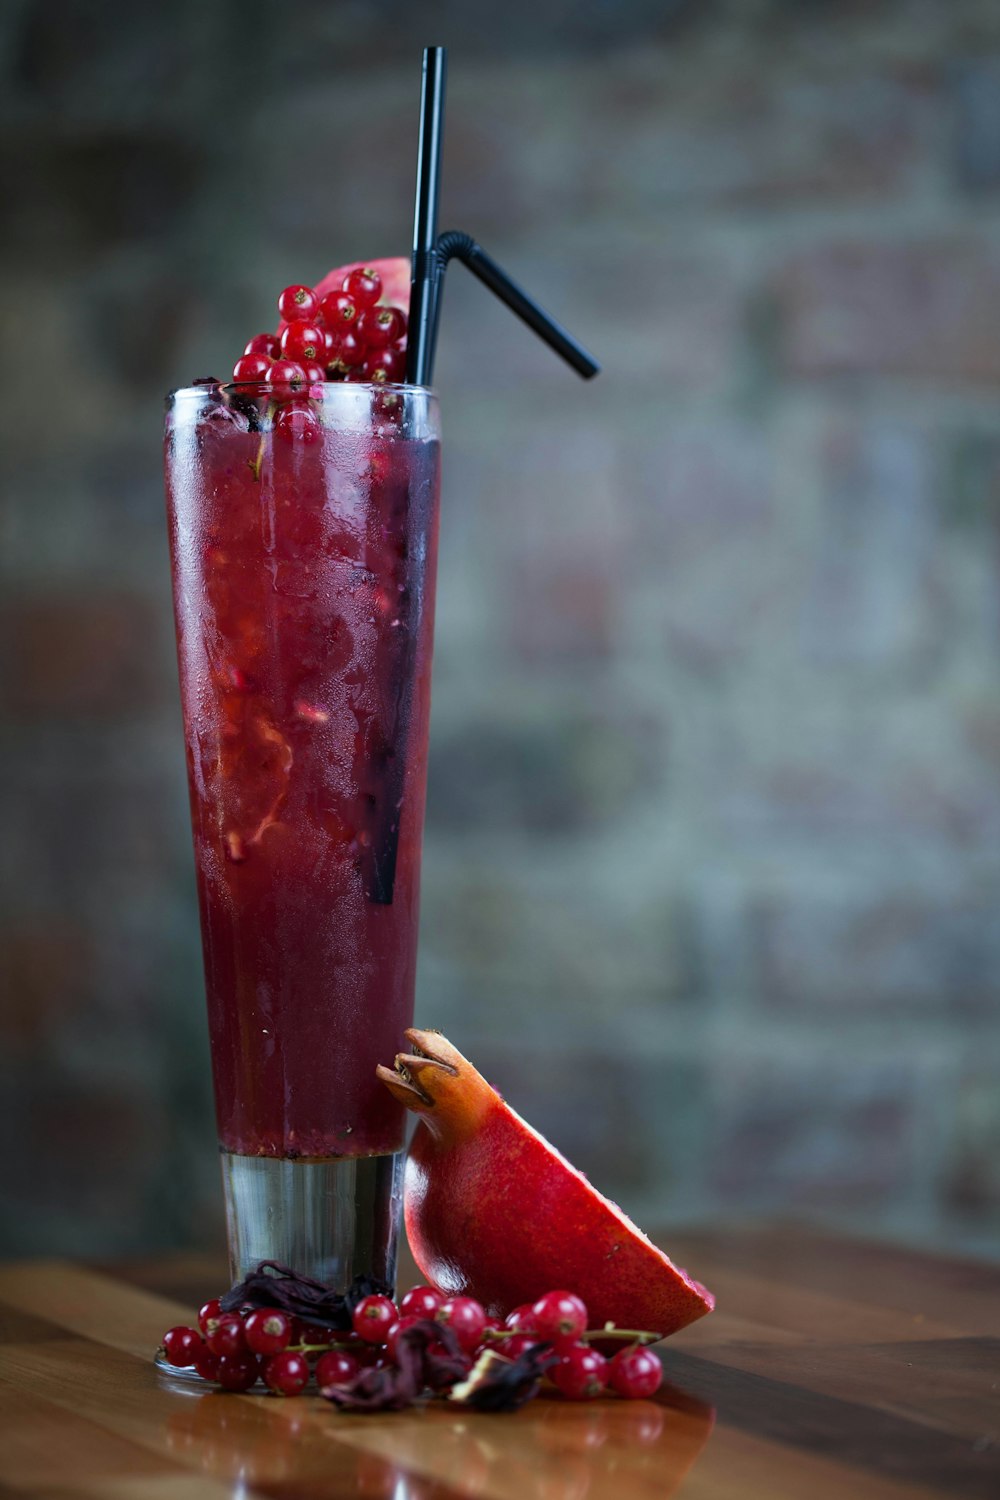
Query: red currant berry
{"points": [[237, 1372], [206, 1363], [314, 374], [363, 284], [351, 352], [393, 1335], [284, 372], [336, 1368], [297, 423], [520, 1318], [466, 1318], [268, 1331], [263, 343], [303, 342], [208, 1313], [385, 367], [373, 1317], [635, 1373], [298, 304], [180, 1345], [251, 367], [287, 1374], [581, 1373], [559, 1318], [381, 326], [420, 1301], [339, 311], [228, 1336]]}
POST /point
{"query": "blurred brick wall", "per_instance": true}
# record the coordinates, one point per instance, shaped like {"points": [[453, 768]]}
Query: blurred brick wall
{"points": [[713, 853]]}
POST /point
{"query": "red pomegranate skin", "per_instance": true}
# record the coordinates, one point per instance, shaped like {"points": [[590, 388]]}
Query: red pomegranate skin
{"points": [[493, 1211], [394, 273]]}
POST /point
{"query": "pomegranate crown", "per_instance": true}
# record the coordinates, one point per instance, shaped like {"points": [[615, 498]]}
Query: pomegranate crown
{"points": [[436, 1081]]}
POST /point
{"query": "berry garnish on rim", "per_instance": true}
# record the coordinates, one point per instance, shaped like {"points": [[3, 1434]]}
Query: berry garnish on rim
{"points": [[297, 304], [350, 327]]}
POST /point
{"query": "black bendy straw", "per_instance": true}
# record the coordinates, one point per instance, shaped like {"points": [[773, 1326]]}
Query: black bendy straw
{"points": [[425, 276], [432, 252]]}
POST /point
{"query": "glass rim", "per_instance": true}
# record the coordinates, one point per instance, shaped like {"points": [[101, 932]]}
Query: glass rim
{"points": [[290, 392]]}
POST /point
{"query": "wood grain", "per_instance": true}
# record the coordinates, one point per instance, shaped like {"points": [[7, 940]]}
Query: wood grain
{"points": [[832, 1368]]}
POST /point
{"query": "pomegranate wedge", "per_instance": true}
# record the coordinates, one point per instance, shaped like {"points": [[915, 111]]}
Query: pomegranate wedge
{"points": [[493, 1211]]}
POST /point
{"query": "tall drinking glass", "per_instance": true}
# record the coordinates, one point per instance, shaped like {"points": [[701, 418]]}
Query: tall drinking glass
{"points": [[303, 538]]}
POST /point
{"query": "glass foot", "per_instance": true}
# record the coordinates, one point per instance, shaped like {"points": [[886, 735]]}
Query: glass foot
{"points": [[188, 1381]]}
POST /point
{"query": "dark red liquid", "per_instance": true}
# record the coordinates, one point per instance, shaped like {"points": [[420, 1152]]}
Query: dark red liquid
{"points": [[303, 590]]}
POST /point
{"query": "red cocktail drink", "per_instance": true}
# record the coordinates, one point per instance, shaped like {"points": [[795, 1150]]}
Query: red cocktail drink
{"points": [[303, 509], [303, 544]]}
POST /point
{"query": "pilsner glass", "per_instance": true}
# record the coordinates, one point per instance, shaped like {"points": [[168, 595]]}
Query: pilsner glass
{"points": [[303, 539]]}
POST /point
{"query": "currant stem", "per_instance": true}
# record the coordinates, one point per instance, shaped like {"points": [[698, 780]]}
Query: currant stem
{"points": [[255, 463], [632, 1335], [315, 1348]]}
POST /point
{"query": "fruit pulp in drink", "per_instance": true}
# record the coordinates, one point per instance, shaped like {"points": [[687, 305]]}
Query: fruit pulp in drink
{"points": [[303, 587]]}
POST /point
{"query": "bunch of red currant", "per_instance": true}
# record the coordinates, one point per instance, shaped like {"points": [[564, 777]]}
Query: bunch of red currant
{"points": [[348, 335], [560, 1319], [236, 1349]]}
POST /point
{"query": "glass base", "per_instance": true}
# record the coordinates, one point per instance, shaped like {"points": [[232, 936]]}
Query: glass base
{"points": [[332, 1219], [187, 1382]]}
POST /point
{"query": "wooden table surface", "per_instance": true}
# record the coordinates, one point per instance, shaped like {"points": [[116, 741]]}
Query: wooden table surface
{"points": [[832, 1368]]}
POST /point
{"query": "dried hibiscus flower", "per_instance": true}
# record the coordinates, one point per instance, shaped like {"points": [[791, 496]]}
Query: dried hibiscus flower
{"points": [[377, 1389], [427, 1355], [275, 1285], [496, 1383]]}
